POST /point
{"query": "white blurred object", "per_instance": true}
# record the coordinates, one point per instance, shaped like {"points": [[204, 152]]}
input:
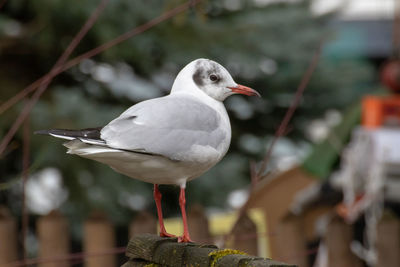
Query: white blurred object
{"points": [[355, 9], [347, 9], [371, 153], [104, 73], [317, 131], [370, 163], [233, 5], [322, 256], [242, 109], [333, 117], [268, 66], [44, 191], [12, 28], [122, 81], [321, 7], [135, 202], [237, 198]]}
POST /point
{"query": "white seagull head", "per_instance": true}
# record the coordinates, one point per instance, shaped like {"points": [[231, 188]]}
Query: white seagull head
{"points": [[211, 78]]}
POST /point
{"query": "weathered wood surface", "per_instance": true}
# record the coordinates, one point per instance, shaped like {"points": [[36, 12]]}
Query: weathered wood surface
{"points": [[291, 228], [338, 238], [245, 236], [8, 237], [99, 236], [151, 250], [198, 224], [53, 236], [144, 222], [388, 243]]}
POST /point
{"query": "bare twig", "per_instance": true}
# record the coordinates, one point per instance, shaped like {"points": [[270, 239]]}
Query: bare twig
{"points": [[255, 177], [25, 173], [25, 114], [47, 78], [140, 29], [20, 95], [289, 113], [53, 72], [2, 3]]}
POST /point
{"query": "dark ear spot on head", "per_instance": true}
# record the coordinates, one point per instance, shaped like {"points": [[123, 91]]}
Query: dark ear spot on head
{"points": [[197, 77]]}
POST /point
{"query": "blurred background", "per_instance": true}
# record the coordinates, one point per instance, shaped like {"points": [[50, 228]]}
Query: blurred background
{"points": [[264, 44]]}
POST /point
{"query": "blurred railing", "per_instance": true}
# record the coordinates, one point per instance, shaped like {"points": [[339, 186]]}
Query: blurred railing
{"points": [[99, 240]]}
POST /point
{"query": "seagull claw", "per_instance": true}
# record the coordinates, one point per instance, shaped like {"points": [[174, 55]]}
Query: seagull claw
{"points": [[184, 239], [165, 234]]}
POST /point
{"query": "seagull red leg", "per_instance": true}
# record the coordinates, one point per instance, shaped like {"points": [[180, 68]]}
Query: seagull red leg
{"points": [[182, 201], [157, 197]]}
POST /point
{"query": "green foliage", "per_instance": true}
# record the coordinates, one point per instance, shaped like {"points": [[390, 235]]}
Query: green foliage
{"points": [[321, 161]]}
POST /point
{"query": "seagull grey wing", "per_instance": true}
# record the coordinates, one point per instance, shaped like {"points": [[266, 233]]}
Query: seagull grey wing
{"points": [[179, 128]]}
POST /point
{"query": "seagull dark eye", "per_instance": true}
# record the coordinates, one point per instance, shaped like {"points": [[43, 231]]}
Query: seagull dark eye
{"points": [[214, 78]]}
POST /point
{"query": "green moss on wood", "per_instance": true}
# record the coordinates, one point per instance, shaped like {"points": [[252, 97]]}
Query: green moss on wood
{"points": [[150, 250], [218, 254]]}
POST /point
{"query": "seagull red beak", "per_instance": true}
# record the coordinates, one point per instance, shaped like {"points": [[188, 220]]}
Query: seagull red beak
{"points": [[241, 89]]}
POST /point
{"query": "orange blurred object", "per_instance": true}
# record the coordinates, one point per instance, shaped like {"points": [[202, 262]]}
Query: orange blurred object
{"points": [[345, 211], [376, 110]]}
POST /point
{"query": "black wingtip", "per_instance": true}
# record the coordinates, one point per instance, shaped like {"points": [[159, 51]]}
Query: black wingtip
{"points": [[91, 133], [44, 132]]}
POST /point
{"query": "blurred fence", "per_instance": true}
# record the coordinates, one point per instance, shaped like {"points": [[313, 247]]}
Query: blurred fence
{"points": [[99, 240], [335, 244]]}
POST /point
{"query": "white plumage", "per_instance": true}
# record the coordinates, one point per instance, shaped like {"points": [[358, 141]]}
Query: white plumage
{"points": [[166, 140]]}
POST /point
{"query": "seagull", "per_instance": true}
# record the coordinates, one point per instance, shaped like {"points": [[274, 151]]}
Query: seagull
{"points": [[167, 140]]}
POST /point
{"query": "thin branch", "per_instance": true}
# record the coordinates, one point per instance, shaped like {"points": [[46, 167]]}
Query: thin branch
{"points": [[47, 78], [53, 72], [289, 113], [25, 174], [2, 3], [281, 130], [21, 94], [140, 29]]}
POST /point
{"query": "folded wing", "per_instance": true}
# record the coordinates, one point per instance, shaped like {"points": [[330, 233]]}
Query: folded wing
{"points": [[173, 127]]}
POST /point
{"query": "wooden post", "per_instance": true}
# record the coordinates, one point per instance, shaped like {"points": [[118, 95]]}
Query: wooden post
{"points": [[53, 235], [388, 243], [338, 238], [8, 237], [143, 222], [291, 229], [152, 250], [198, 224], [99, 237], [245, 235]]}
